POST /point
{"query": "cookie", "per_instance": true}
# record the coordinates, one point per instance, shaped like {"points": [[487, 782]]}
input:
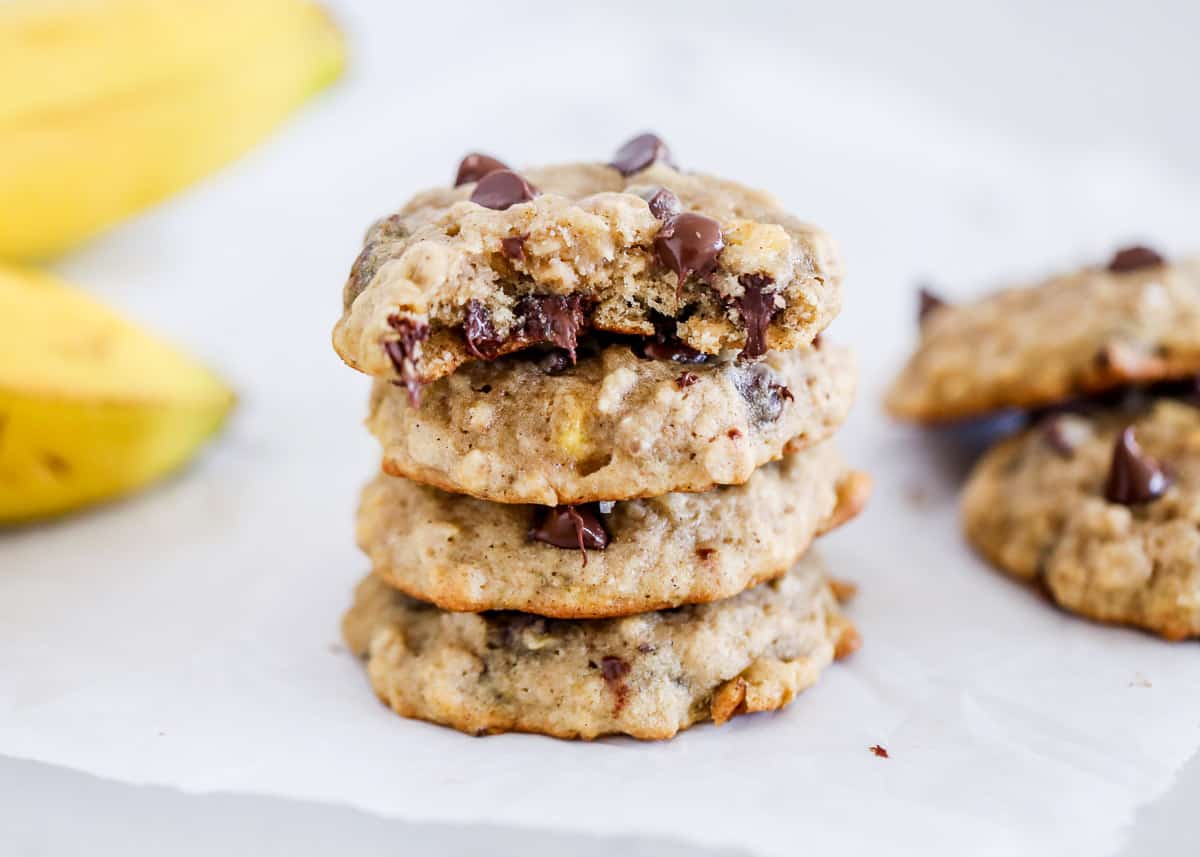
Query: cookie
{"points": [[504, 261], [648, 675], [1135, 320], [1103, 508], [466, 554], [614, 426]]}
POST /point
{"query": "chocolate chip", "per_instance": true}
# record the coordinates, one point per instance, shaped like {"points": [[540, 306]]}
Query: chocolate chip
{"points": [[666, 345], [663, 204], [1186, 390], [676, 352], [687, 244], [555, 362], [640, 152], [1134, 477], [928, 302], [734, 434], [502, 189], [514, 247], [757, 308], [405, 354], [1134, 259], [763, 394], [705, 553], [475, 166], [556, 319], [687, 379], [1056, 436], [479, 333], [570, 527], [553, 319], [615, 670]]}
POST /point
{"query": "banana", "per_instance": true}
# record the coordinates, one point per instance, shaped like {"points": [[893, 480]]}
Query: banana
{"points": [[90, 406], [108, 106]]}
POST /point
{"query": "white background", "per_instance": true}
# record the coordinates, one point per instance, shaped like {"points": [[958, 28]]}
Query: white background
{"points": [[189, 637]]}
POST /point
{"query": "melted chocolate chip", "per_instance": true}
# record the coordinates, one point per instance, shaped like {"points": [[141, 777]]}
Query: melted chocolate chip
{"points": [[640, 152], [553, 319], [570, 527], [475, 166], [514, 247], [502, 189], [928, 302], [405, 354], [1134, 477], [555, 362], [687, 244], [556, 319], [1134, 259], [757, 308], [615, 670], [687, 379], [1186, 390], [666, 345], [763, 394], [479, 333], [676, 352], [663, 204]]}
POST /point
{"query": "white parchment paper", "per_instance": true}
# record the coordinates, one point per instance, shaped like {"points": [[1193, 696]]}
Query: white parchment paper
{"points": [[189, 637]]}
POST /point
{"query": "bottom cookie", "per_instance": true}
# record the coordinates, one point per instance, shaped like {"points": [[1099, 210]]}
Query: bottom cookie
{"points": [[648, 675], [1107, 519]]}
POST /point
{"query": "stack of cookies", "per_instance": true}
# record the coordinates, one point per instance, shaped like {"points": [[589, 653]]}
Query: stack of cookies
{"points": [[1098, 497], [604, 411]]}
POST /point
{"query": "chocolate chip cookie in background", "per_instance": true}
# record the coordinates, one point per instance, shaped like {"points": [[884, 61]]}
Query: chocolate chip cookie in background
{"points": [[506, 261], [1135, 320], [1094, 498], [1102, 507], [563, 358], [647, 675]]}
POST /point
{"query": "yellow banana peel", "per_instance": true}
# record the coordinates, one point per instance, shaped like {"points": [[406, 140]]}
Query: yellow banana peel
{"points": [[91, 407], [108, 106]]}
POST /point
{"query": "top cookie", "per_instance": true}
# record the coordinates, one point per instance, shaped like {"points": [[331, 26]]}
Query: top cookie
{"points": [[503, 261], [1135, 320]]}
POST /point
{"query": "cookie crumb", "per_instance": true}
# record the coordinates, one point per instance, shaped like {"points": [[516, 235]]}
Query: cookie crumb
{"points": [[843, 590], [879, 751]]}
